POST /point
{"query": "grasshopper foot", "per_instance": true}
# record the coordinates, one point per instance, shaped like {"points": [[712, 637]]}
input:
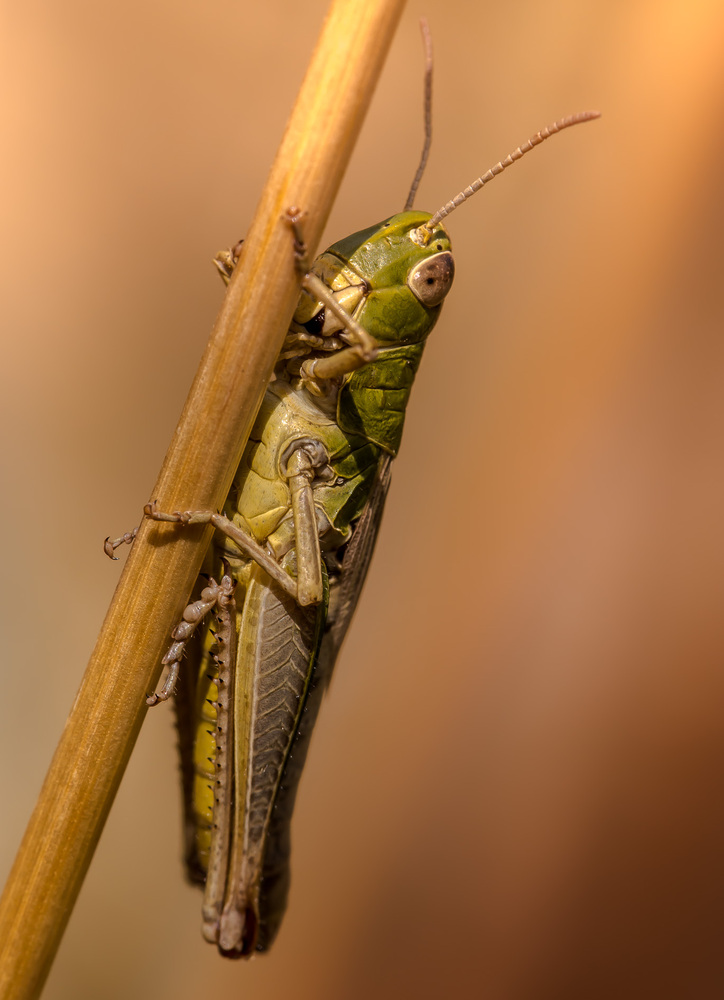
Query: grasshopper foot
{"points": [[226, 261], [111, 544], [177, 517]]}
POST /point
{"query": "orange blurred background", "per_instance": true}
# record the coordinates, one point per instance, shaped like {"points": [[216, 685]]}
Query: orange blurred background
{"points": [[514, 790]]}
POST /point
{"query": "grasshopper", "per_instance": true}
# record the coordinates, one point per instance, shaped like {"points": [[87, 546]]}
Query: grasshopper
{"points": [[292, 547]]}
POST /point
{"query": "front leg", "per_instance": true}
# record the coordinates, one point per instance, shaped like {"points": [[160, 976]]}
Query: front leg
{"points": [[362, 351], [364, 346]]}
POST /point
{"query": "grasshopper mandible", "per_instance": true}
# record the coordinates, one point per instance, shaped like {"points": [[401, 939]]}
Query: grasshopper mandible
{"points": [[292, 548]]}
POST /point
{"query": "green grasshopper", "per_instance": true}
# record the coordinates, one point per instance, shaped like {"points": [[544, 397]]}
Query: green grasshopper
{"points": [[292, 548]]}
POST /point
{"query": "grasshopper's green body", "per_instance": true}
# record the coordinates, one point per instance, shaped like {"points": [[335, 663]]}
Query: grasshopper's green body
{"points": [[350, 427], [294, 543]]}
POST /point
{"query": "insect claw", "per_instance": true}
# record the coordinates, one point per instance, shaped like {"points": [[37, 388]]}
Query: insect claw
{"points": [[226, 260], [111, 544]]}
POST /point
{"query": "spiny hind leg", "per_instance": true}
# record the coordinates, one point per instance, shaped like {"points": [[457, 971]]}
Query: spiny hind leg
{"points": [[213, 595]]}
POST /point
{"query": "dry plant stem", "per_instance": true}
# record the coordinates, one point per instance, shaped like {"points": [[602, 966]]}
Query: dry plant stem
{"points": [[208, 443]]}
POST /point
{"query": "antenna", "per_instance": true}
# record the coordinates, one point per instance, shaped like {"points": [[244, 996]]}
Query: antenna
{"points": [[427, 43], [546, 133]]}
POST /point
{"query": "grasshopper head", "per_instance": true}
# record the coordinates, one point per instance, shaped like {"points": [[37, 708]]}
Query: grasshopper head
{"points": [[406, 281]]}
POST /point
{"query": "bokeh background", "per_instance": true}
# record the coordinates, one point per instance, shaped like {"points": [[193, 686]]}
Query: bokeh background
{"points": [[514, 791]]}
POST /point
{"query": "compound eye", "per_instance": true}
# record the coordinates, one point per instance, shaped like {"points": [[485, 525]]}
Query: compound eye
{"points": [[431, 279]]}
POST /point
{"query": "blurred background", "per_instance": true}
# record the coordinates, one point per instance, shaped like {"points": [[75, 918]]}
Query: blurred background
{"points": [[514, 790]]}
